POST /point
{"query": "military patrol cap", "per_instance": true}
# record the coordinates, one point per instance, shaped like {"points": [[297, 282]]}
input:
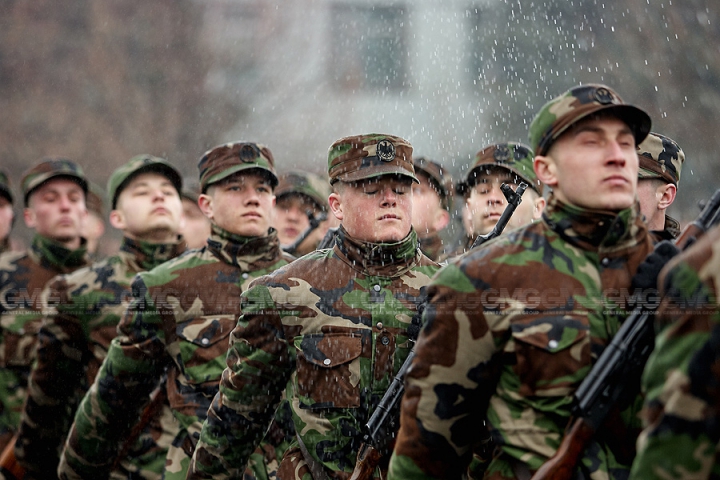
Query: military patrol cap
{"points": [[303, 183], [224, 160], [516, 158], [439, 177], [5, 189], [660, 157], [140, 164], [94, 199], [560, 113], [358, 157], [50, 168]]}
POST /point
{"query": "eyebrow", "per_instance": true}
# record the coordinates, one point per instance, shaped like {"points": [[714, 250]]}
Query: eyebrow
{"points": [[589, 127]]}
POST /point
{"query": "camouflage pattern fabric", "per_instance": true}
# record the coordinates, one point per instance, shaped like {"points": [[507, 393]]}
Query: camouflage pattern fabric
{"points": [[681, 377], [4, 245], [23, 276], [179, 320], [660, 157], [330, 330], [510, 331], [670, 232], [72, 343], [432, 246]]}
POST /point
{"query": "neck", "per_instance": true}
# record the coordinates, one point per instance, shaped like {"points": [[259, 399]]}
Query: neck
{"points": [[153, 236]]}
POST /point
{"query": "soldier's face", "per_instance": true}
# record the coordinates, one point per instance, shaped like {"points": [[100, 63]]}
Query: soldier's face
{"points": [[6, 217], [197, 226], [486, 202], [290, 217], [56, 210], [593, 165], [148, 208], [241, 204], [428, 215], [375, 210]]}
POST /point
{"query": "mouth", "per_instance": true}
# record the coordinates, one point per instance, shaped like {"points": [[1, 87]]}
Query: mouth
{"points": [[291, 232], [493, 215], [389, 217], [616, 180], [251, 215], [160, 211]]}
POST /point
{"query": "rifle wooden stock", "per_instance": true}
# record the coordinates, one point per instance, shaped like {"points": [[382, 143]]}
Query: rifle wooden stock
{"points": [[562, 465], [9, 466], [368, 458]]}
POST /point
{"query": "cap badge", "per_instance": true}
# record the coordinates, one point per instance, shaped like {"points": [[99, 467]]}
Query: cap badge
{"points": [[385, 150], [501, 154], [248, 154], [603, 96]]}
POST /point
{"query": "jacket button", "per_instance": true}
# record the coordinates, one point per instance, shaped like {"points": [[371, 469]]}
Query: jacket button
{"points": [[327, 361], [379, 325], [605, 262], [385, 340], [376, 288], [553, 344]]}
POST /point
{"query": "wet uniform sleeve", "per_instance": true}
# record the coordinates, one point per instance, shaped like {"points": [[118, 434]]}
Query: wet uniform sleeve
{"points": [[134, 364], [449, 384], [53, 384], [258, 367]]}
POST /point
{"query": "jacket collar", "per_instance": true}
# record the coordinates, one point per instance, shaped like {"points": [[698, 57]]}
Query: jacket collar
{"points": [[55, 256], [378, 259], [247, 253], [142, 256]]}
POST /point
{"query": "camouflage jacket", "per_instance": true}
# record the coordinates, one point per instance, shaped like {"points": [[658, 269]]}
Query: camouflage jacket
{"points": [[179, 321], [670, 232], [510, 331], [432, 246], [4, 245], [681, 377], [23, 276], [332, 329], [72, 343]]}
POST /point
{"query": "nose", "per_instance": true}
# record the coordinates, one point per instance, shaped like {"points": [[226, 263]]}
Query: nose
{"points": [[495, 196], [616, 154], [65, 202], [389, 196]]}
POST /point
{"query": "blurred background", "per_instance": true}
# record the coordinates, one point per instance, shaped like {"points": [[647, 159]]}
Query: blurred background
{"points": [[99, 82]]}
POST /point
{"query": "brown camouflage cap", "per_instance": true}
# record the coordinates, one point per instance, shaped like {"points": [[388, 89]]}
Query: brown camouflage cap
{"points": [[5, 189], [50, 168], [660, 157], [94, 199], [140, 164], [308, 184], [516, 158], [560, 113], [439, 177], [367, 156], [224, 160]]}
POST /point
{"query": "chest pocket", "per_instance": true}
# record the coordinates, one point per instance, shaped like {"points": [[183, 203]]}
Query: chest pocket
{"points": [[552, 354], [204, 345], [328, 370]]}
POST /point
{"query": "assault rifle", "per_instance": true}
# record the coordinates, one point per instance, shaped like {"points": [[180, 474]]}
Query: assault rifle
{"points": [[381, 428], [315, 222], [615, 377]]}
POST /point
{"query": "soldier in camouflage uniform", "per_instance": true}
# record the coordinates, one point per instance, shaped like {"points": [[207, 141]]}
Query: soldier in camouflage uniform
{"points": [[300, 194], [331, 329], [513, 327], [95, 221], [54, 194], [197, 227], [495, 164], [681, 377], [7, 216], [431, 204], [74, 339], [661, 160], [180, 318]]}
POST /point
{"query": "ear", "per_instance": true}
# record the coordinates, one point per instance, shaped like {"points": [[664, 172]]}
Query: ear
{"points": [[205, 202], [539, 206], [335, 202], [442, 219], [546, 170], [117, 219], [667, 195], [29, 217]]}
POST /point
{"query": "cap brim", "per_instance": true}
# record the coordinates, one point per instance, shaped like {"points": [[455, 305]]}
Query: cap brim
{"points": [[376, 171], [240, 168]]}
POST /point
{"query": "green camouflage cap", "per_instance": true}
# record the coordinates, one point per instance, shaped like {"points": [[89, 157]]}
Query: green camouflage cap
{"points": [[560, 113], [5, 189], [660, 157], [312, 186], [367, 156], [224, 160], [439, 177], [94, 199], [140, 164], [517, 158], [50, 168]]}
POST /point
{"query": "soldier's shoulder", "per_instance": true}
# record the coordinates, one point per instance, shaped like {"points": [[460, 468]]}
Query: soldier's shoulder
{"points": [[10, 260], [169, 270], [89, 273], [301, 266]]}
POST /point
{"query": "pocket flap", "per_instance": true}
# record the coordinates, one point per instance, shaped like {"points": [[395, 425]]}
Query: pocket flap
{"points": [[551, 333], [329, 350], [206, 331]]}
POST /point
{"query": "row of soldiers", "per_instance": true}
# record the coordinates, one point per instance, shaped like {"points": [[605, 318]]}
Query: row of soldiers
{"points": [[240, 359]]}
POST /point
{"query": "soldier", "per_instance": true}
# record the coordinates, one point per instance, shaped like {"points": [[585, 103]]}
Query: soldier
{"points": [[300, 197], [513, 327], [197, 227], [74, 339], [495, 164], [180, 317], [681, 377], [54, 195], [95, 221], [661, 160], [431, 202], [7, 216], [331, 329]]}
